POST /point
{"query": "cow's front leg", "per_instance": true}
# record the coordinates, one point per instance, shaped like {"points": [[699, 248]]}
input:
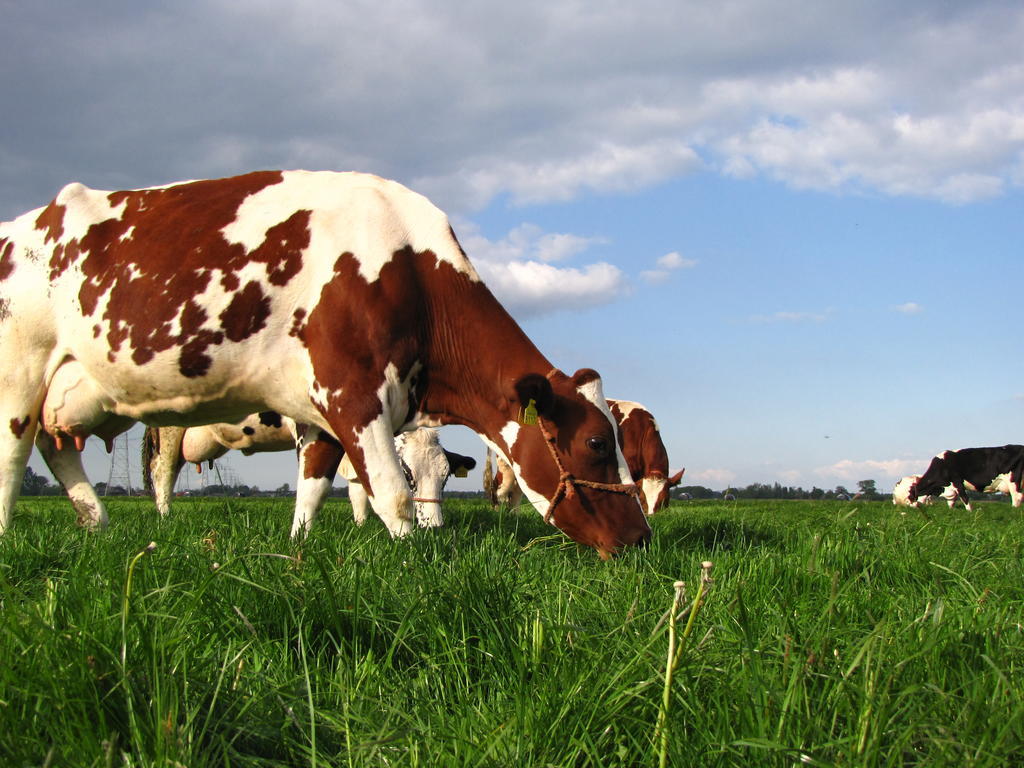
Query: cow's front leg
{"points": [[961, 491], [319, 456], [1015, 493], [66, 467], [376, 462]]}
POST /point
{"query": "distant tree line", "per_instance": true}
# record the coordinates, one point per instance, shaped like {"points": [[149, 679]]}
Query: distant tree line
{"points": [[866, 489], [34, 484]]}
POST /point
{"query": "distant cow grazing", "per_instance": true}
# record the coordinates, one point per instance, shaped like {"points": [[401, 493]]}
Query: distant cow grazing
{"points": [[901, 492], [645, 454], [500, 484], [953, 473], [427, 465], [340, 300], [641, 446]]}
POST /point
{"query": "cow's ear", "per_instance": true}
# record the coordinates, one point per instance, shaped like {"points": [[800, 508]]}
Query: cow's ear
{"points": [[674, 480], [584, 376], [537, 388], [459, 464]]}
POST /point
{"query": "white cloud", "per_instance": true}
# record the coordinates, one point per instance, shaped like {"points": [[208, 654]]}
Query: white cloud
{"points": [[538, 101], [530, 288], [525, 242], [909, 308], [674, 261], [517, 271], [884, 471], [667, 264], [716, 479], [537, 175], [790, 476]]}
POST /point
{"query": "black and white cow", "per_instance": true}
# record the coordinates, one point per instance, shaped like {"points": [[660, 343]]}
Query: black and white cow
{"points": [[952, 473]]}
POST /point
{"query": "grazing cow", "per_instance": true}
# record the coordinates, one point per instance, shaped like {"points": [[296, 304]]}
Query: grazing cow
{"points": [[641, 446], [427, 465], [645, 454], [341, 300], [901, 492], [500, 482], [952, 473], [165, 450]]}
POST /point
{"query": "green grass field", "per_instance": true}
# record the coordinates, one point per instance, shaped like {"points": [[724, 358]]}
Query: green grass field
{"points": [[835, 633]]}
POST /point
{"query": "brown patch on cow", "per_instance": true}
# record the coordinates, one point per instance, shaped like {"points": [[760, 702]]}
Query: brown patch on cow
{"points": [[321, 457], [5, 309], [18, 427], [193, 361], [51, 221], [381, 323], [6, 262], [96, 331], [246, 314], [298, 329], [175, 248], [282, 248], [62, 257], [230, 282]]}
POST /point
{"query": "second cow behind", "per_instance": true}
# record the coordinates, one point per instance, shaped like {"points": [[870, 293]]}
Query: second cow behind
{"points": [[427, 465]]}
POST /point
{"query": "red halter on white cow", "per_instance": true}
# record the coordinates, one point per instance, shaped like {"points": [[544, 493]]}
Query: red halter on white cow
{"points": [[427, 466], [340, 300]]}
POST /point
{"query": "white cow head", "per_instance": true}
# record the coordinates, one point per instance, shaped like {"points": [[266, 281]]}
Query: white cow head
{"points": [[901, 493], [426, 468]]}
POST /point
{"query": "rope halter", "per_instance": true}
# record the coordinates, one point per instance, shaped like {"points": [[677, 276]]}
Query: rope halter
{"points": [[567, 483], [411, 479]]}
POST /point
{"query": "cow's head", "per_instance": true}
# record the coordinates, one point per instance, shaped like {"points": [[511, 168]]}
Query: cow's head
{"points": [[905, 492], [654, 490], [566, 457], [426, 467]]}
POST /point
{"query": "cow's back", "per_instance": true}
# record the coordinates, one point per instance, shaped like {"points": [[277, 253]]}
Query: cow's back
{"points": [[194, 297]]}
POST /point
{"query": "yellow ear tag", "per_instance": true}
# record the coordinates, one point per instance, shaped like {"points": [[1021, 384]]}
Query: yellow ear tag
{"points": [[462, 472], [528, 415]]}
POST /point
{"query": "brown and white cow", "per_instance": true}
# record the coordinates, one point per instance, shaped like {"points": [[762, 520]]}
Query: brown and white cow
{"points": [[641, 446], [427, 465], [341, 300], [165, 450], [500, 484]]}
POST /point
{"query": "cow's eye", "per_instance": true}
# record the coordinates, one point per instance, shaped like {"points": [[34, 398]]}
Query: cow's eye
{"points": [[598, 445]]}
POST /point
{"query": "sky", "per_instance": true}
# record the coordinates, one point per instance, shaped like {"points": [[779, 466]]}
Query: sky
{"points": [[793, 230]]}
